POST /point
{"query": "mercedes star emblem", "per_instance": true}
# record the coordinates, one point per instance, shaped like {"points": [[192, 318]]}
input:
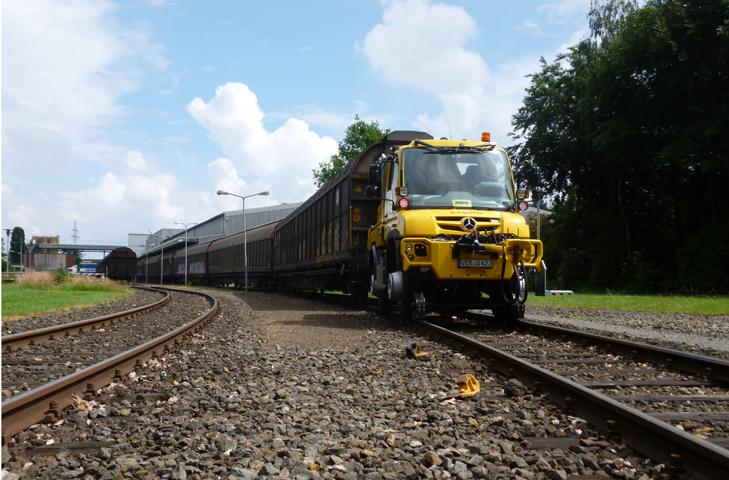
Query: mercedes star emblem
{"points": [[469, 223]]}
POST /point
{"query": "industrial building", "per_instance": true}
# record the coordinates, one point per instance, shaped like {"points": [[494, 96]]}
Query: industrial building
{"points": [[225, 223], [137, 242]]}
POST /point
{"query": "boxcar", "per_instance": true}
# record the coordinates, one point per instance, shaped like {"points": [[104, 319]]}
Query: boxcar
{"points": [[120, 264], [323, 243], [225, 258], [168, 265], [197, 263]]}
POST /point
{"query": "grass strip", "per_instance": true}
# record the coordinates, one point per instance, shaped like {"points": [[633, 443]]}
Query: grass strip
{"points": [[23, 300], [637, 303]]}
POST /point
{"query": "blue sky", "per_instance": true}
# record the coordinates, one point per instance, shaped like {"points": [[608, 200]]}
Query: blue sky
{"points": [[127, 116]]}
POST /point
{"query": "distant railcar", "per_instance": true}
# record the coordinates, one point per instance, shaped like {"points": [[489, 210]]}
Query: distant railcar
{"points": [[225, 258], [197, 263], [120, 264], [218, 262]]}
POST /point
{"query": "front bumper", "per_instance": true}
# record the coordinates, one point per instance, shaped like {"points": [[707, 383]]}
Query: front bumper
{"points": [[439, 258]]}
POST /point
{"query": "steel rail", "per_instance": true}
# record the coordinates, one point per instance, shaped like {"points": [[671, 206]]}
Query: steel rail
{"points": [[49, 400], [714, 368], [31, 337], [652, 437]]}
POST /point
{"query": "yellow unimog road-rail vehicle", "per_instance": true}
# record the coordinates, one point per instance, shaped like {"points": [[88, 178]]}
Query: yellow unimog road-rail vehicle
{"points": [[426, 225], [448, 236]]}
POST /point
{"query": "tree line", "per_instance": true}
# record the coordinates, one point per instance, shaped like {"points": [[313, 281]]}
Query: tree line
{"points": [[627, 137]]}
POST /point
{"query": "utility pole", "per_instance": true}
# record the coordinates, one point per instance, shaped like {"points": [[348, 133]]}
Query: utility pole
{"points": [[74, 235], [161, 262], [146, 257], [186, 225]]}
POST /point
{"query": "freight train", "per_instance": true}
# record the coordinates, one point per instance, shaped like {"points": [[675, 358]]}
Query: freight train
{"points": [[120, 264], [425, 225]]}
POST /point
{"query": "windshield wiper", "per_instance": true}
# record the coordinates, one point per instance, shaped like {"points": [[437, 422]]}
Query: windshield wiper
{"points": [[427, 146]]}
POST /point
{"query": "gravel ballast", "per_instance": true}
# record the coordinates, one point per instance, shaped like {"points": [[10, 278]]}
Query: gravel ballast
{"points": [[708, 334], [293, 388], [34, 365]]}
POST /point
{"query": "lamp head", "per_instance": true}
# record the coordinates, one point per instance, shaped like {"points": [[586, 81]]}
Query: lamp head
{"points": [[265, 193], [221, 192]]}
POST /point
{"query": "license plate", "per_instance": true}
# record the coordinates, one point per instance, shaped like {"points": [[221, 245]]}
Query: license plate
{"points": [[474, 263]]}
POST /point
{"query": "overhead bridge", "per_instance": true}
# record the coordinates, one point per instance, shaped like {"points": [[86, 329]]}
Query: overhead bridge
{"points": [[72, 247]]}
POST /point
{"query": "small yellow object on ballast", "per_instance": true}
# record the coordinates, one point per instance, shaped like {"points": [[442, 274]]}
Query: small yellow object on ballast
{"points": [[413, 350], [468, 385]]}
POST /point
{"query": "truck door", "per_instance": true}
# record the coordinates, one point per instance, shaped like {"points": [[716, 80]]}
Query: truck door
{"points": [[390, 185]]}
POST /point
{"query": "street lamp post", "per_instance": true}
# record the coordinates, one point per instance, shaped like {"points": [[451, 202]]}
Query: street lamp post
{"points": [[161, 262], [146, 257], [245, 229], [185, 224], [146, 262], [7, 241]]}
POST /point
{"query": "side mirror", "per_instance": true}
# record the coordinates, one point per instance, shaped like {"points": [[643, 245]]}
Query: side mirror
{"points": [[374, 180]]}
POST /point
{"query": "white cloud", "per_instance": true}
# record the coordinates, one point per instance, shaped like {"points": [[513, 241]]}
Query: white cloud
{"points": [[65, 66], [420, 44], [317, 116], [132, 196], [424, 45], [531, 28], [224, 176], [280, 160], [557, 10], [135, 193], [576, 37], [333, 122]]}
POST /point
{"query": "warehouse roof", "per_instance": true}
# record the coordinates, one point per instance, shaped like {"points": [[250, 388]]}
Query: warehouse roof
{"points": [[223, 224]]}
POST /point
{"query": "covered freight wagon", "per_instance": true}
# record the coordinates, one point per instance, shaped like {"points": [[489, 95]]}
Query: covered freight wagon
{"points": [[323, 243], [120, 264], [225, 257]]}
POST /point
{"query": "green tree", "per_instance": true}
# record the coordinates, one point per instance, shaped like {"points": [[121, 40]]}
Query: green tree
{"points": [[358, 136], [627, 134], [17, 238]]}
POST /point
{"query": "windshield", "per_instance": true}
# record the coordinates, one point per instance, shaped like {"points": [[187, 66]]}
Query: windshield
{"points": [[461, 179]]}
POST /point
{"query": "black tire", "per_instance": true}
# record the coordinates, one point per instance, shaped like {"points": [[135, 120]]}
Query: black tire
{"points": [[508, 314], [383, 304], [405, 304], [359, 294]]}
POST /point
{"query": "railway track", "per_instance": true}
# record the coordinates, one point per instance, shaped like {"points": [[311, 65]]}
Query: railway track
{"points": [[672, 406], [32, 337], [54, 366]]}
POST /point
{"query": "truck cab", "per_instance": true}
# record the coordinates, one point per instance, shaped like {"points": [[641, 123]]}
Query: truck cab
{"points": [[448, 235]]}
